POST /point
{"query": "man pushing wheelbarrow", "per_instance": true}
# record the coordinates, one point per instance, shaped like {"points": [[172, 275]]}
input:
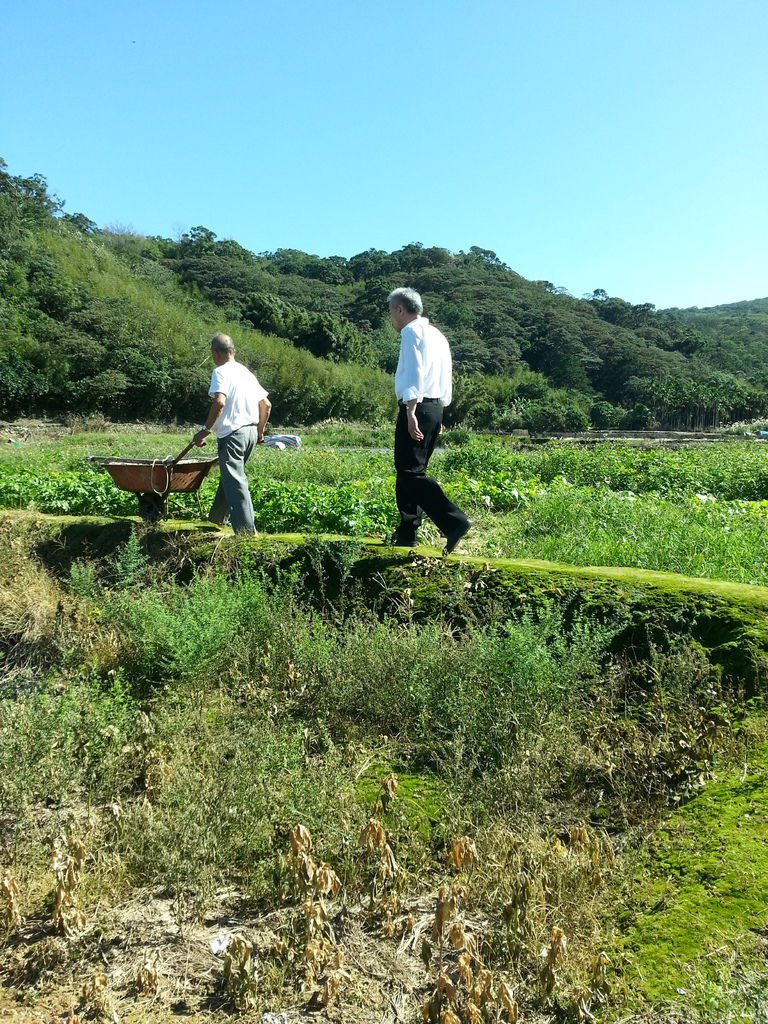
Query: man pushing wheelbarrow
{"points": [[238, 414]]}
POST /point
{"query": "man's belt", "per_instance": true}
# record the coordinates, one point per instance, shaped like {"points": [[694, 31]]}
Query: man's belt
{"points": [[401, 402]]}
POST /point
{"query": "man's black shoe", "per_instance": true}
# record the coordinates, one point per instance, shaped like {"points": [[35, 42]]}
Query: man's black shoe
{"points": [[453, 538], [397, 542]]}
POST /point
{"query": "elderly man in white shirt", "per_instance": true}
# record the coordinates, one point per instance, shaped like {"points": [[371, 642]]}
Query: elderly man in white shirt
{"points": [[237, 415], [423, 388]]}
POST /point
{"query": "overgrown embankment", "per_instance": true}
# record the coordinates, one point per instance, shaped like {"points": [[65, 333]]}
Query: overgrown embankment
{"points": [[727, 619], [695, 513], [476, 753]]}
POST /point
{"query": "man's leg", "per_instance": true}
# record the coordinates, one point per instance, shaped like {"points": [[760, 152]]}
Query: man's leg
{"points": [[234, 452], [424, 491], [409, 460], [219, 513]]}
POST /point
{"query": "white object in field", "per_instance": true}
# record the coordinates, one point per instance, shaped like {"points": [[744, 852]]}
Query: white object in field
{"points": [[282, 441]]}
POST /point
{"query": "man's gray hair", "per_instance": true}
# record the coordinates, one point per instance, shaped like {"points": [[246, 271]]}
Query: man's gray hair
{"points": [[222, 343], [409, 299]]}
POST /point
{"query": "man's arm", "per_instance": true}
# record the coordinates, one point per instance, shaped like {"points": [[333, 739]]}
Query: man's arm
{"points": [[413, 424], [217, 404], [413, 374], [265, 408]]}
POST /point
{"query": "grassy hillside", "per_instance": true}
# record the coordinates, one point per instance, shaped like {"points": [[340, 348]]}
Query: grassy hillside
{"points": [[288, 773], [82, 332], [113, 322]]}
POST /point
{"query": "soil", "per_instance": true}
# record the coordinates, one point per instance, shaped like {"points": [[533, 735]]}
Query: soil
{"points": [[44, 974]]}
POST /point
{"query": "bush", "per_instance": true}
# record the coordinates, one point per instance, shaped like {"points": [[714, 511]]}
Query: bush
{"points": [[553, 417], [67, 734], [639, 417]]}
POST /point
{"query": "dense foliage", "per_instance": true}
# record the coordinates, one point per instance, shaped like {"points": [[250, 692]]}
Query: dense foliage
{"points": [[527, 353], [114, 322], [82, 332]]}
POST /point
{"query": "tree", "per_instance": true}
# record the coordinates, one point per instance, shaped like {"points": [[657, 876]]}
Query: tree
{"points": [[80, 223], [487, 256]]}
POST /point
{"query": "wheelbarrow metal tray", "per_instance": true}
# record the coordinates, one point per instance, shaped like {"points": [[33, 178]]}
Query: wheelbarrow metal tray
{"points": [[143, 476]]}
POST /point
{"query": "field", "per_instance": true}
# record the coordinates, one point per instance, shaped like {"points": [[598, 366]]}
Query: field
{"points": [[312, 774], [698, 511]]}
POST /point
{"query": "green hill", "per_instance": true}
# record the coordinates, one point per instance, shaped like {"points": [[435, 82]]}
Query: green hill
{"points": [[82, 331], [98, 320], [732, 337]]}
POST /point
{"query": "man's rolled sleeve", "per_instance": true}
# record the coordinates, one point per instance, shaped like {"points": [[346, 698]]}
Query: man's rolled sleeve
{"points": [[413, 368]]}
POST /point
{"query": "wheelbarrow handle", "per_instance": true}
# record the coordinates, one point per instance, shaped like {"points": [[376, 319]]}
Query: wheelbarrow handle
{"points": [[183, 452]]}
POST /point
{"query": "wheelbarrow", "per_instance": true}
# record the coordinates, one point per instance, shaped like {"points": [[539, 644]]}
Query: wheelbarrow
{"points": [[154, 479]]}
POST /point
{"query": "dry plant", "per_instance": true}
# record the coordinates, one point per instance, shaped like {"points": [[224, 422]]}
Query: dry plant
{"points": [[552, 955], [462, 989], [97, 999], [387, 792], [147, 978], [334, 979], [71, 1018], [153, 769], [67, 863], [533, 884], [323, 962], [596, 991], [384, 875], [463, 853], [544, 884], [240, 976], [10, 913]]}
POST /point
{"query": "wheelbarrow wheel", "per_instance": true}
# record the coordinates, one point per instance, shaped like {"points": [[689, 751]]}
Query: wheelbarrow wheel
{"points": [[152, 507]]}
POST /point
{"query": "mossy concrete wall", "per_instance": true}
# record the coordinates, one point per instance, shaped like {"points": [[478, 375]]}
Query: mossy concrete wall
{"points": [[729, 620]]}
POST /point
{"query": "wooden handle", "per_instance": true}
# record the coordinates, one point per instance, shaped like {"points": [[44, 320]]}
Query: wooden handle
{"points": [[183, 452]]}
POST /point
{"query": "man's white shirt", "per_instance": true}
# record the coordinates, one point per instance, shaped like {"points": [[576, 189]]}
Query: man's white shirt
{"points": [[424, 366], [243, 394]]}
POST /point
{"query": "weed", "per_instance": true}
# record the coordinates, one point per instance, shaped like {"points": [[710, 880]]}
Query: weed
{"points": [[10, 913], [67, 864], [147, 979], [97, 999], [129, 564], [240, 980]]}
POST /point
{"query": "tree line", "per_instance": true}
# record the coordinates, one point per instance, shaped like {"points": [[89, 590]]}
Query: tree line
{"points": [[111, 321], [88, 326]]}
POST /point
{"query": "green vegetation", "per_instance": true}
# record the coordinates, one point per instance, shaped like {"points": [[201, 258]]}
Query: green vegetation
{"points": [[99, 321], [696, 511], [552, 740]]}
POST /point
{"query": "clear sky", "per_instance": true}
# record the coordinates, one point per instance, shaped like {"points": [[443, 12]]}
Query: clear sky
{"points": [[612, 144]]}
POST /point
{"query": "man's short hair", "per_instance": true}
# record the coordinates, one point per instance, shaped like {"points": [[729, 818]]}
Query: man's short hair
{"points": [[409, 299], [222, 343]]}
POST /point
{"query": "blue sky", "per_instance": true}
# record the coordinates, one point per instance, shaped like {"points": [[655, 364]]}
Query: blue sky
{"points": [[616, 145]]}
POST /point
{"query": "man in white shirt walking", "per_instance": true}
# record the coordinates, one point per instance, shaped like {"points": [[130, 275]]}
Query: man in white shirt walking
{"points": [[423, 387], [237, 415]]}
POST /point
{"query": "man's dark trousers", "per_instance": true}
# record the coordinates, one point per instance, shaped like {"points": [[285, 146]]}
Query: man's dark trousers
{"points": [[415, 492]]}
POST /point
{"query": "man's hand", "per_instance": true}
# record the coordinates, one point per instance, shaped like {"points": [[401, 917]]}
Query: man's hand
{"points": [[201, 437], [413, 426]]}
